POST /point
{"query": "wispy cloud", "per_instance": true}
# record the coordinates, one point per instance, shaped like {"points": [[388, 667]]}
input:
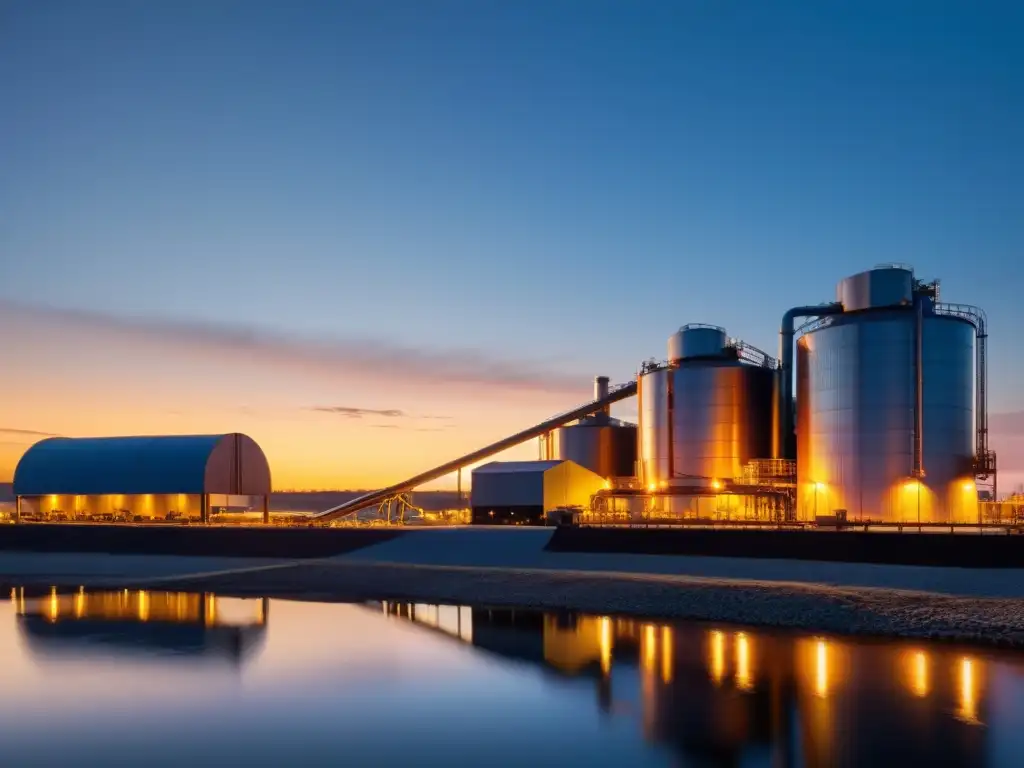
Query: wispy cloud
{"points": [[26, 432], [351, 412], [342, 356], [358, 413]]}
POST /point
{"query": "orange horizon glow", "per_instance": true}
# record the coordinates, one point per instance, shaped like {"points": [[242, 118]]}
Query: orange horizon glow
{"points": [[88, 377], [325, 423]]}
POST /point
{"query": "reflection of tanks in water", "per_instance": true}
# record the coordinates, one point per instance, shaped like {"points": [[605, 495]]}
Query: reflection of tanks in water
{"points": [[143, 622], [723, 696]]}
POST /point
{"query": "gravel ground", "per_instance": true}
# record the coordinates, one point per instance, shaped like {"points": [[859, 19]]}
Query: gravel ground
{"points": [[830, 609]]}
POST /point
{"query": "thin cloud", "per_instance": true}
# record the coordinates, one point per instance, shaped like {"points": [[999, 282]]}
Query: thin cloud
{"points": [[358, 413], [26, 432], [340, 356], [351, 412]]}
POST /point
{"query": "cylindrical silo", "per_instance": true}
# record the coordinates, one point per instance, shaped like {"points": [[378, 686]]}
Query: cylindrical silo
{"points": [[704, 414], [603, 445], [598, 442], [886, 405]]}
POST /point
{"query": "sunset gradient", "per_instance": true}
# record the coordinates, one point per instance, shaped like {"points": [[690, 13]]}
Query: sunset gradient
{"points": [[377, 235]]}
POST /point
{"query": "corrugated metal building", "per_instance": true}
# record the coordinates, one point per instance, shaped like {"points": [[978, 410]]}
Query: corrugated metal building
{"points": [[521, 492], [175, 477]]}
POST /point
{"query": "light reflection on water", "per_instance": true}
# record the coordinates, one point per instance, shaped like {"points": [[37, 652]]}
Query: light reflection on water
{"points": [[169, 678]]}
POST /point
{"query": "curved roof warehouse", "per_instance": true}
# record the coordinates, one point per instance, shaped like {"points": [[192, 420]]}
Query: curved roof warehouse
{"points": [[230, 464]]}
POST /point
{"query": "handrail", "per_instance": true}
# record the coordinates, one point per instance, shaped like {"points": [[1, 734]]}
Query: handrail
{"points": [[753, 355]]}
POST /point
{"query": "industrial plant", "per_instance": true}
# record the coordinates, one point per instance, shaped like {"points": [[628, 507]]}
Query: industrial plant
{"points": [[874, 412]]}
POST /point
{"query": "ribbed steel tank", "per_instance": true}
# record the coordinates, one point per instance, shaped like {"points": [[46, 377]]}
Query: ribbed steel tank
{"points": [[706, 413], [603, 445], [858, 406]]}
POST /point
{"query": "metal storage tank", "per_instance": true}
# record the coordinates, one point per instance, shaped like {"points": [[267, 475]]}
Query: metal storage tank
{"points": [[598, 442], [602, 444], [886, 404], [705, 413]]}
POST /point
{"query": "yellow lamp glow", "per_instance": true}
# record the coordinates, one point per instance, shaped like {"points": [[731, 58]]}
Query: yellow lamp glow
{"points": [[821, 669], [717, 656], [919, 679], [606, 644], [744, 681], [968, 710]]}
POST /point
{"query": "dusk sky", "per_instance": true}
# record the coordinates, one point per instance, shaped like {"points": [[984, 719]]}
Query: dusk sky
{"points": [[375, 235]]}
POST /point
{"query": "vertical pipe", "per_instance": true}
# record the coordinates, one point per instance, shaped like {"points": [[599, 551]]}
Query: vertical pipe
{"points": [[266, 510], [981, 404], [777, 429], [204, 507], [670, 412], [641, 464], [784, 403], [918, 470], [17, 510]]}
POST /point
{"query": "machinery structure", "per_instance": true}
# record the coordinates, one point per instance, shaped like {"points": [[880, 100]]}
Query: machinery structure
{"points": [[873, 413], [888, 424]]}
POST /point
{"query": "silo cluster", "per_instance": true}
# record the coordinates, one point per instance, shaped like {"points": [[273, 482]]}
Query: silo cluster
{"points": [[874, 411]]}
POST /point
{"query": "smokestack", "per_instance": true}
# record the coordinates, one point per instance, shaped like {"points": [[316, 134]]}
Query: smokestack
{"points": [[600, 393]]}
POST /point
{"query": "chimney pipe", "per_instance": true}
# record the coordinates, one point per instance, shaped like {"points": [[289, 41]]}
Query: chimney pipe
{"points": [[600, 393]]}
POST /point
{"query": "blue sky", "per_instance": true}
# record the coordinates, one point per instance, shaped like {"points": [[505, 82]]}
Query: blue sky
{"points": [[562, 182]]}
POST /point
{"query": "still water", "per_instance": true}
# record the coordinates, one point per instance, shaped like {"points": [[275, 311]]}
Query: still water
{"points": [[164, 678]]}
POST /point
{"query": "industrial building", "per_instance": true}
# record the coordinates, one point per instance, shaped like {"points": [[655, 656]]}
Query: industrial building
{"points": [[139, 479], [523, 492], [874, 412]]}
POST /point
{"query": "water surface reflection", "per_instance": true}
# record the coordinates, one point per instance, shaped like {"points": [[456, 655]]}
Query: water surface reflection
{"points": [[402, 684], [140, 621], [729, 695]]}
